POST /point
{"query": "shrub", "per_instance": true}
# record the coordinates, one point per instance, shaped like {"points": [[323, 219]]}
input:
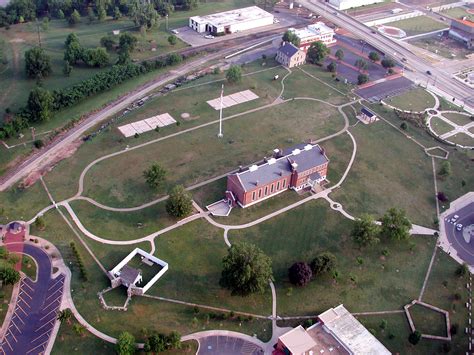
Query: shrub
{"points": [[414, 337], [38, 143], [322, 263], [404, 126], [442, 197], [300, 273], [362, 79]]}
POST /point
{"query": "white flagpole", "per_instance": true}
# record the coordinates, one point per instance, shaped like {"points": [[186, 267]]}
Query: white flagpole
{"points": [[220, 135]]}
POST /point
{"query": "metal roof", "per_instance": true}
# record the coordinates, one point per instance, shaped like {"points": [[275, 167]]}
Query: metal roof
{"points": [[128, 275], [228, 18], [289, 49]]}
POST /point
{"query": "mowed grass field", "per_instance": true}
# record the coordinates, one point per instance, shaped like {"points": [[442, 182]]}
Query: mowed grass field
{"points": [[459, 13], [201, 155], [382, 282], [389, 171], [418, 25], [440, 126], [416, 100]]}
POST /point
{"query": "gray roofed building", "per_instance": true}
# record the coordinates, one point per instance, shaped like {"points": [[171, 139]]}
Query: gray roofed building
{"points": [[130, 275], [289, 55]]}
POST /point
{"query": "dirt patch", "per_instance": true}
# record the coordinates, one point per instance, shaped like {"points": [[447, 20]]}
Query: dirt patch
{"points": [[64, 153], [17, 40]]}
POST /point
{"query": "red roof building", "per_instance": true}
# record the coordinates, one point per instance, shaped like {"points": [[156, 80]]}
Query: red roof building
{"points": [[296, 168]]}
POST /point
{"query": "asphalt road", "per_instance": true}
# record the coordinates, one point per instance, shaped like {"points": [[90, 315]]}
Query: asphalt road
{"points": [[36, 309], [224, 345], [439, 77], [466, 217]]}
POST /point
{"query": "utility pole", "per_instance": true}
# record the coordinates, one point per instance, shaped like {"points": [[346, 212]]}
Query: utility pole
{"points": [[220, 135], [166, 22]]}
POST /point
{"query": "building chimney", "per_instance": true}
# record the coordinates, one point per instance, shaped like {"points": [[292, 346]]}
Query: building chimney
{"points": [[256, 183], [241, 168], [276, 153]]}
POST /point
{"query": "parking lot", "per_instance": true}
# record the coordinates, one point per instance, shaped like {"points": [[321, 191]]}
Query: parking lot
{"points": [[386, 89], [36, 309], [455, 236], [225, 345]]}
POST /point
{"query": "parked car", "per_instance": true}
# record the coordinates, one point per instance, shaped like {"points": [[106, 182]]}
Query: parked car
{"points": [[209, 36], [428, 72], [454, 218], [175, 32], [459, 227]]}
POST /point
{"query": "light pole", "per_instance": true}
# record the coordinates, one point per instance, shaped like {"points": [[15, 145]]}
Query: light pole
{"points": [[166, 22]]}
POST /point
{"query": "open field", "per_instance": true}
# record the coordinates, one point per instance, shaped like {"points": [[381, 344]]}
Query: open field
{"points": [[440, 126], [428, 321], [385, 158], [418, 25], [109, 183], [28, 267], [5, 297], [443, 46], [414, 100], [382, 283]]}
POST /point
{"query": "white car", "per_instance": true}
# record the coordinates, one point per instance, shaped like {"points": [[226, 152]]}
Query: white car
{"points": [[209, 36], [459, 227], [175, 32], [454, 218]]}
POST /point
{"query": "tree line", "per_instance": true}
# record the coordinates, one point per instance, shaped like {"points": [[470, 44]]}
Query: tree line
{"points": [[143, 13]]}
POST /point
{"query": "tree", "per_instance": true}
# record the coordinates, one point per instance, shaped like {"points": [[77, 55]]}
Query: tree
{"points": [[127, 41], [97, 57], [173, 340], [39, 223], [61, 14], [246, 270], [155, 343], [404, 126], [445, 169], [108, 42], [317, 52], [90, 15], [361, 64], [123, 57], [173, 59], [291, 37], [65, 315], [117, 13], [142, 13], [442, 197], [300, 273], [462, 270], [388, 63], [172, 40], [79, 329], [395, 225], [362, 79], [101, 14], [339, 54], [45, 24], [155, 175], [39, 105], [332, 67], [37, 63], [125, 344], [365, 231], [9, 275], [414, 337], [75, 18], [323, 263], [74, 50], [179, 203], [374, 56], [234, 74]]}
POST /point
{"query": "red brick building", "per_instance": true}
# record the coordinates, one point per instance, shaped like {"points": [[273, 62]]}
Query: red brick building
{"points": [[295, 168]]}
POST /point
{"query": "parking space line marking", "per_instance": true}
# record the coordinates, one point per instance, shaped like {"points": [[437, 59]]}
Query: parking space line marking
{"points": [[16, 341], [31, 288], [12, 322], [47, 314], [48, 331], [59, 289], [56, 282], [53, 288], [37, 346], [45, 324], [8, 343], [16, 315], [26, 293], [51, 303], [21, 309], [26, 303]]}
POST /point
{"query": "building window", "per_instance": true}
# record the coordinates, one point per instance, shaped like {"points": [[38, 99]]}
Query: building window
{"points": [[266, 190], [284, 183], [259, 193], [272, 188], [253, 196], [278, 185]]}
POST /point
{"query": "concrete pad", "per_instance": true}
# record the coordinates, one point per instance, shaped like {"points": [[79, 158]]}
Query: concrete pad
{"points": [[239, 97], [153, 122], [228, 102], [233, 99], [167, 119], [127, 130], [140, 126], [249, 95]]}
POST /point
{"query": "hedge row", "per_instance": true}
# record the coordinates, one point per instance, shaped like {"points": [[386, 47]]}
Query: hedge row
{"points": [[79, 261]]}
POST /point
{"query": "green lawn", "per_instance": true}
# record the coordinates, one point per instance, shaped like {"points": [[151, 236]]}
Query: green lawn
{"points": [[418, 25], [5, 297], [459, 13], [206, 156], [440, 126], [428, 321], [458, 118], [462, 139], [28, 266], [414, 100], [389, 171], [444, 47], [381, 282]]}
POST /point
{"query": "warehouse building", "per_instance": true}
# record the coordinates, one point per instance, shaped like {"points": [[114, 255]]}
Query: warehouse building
{"points": [[347, 4], [318, 32], [231, 21], [463, 31]]}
